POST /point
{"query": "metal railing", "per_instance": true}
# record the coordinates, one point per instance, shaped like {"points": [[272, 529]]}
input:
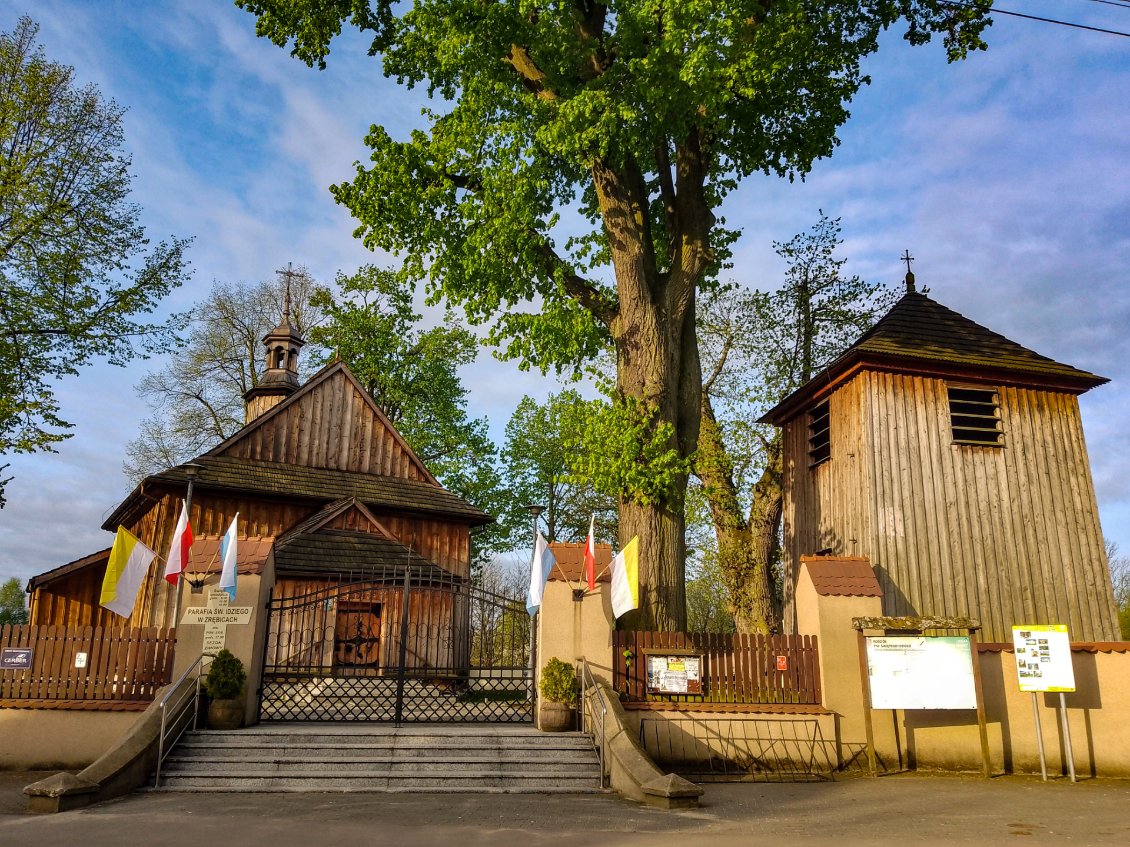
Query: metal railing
{"points": [[592, 696], [172, 727], [743, 749]]}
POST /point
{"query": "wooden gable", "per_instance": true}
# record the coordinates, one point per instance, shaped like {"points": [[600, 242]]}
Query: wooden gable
{"points": [[330, 423]]}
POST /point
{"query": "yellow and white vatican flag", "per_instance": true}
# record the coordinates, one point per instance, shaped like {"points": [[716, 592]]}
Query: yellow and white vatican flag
{"points": [[626, 579], [129, 560]]}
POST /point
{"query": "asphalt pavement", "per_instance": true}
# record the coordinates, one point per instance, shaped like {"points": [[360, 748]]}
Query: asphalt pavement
{"points": [[896, 810]]}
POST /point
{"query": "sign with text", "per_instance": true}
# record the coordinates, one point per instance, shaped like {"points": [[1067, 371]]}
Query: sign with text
{"points": [[15, 658], [674, 674], [216, 617], [920, 672], [223, 616], [1043, 658]]}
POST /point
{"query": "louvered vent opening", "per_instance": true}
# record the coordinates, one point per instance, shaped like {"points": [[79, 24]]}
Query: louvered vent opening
{"points": [[975, 416], [819, 441]]}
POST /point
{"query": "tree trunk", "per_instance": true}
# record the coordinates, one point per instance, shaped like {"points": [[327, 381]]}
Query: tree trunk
{"points": [[748, 547], [657, 364]]}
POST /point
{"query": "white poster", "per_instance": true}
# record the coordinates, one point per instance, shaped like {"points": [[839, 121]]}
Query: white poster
{"points": [[920, 672], [1043, 658]]}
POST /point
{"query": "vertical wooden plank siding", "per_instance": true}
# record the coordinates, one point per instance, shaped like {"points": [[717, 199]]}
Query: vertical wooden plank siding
{"points": [[1007, 535], [825, 505], [122, 664]]}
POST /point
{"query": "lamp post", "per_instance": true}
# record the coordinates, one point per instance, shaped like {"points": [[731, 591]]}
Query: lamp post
{"points": [[191, 471], [535, 512]]}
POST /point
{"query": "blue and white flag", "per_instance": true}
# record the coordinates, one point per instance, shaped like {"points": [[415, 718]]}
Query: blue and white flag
{"points": [[540, 566], [228, 556]]}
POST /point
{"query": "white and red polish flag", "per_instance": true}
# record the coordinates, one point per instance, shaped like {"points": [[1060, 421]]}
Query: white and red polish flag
{"points": [[177, 560], [590, 556]]}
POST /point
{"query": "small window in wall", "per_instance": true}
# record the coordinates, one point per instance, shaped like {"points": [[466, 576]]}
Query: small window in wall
{"points": [[975, 416], [819, 441]]}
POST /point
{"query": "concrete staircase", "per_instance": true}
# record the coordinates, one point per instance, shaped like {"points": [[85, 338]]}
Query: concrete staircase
{"points": [[467, 758]]}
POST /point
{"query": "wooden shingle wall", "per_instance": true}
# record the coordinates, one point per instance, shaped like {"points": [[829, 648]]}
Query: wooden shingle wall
{"points": [[1008, 535]]}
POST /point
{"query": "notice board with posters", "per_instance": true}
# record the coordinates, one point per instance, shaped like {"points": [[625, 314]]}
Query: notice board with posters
{"points": [[675, 673], [921, 672], [1043, 657]]}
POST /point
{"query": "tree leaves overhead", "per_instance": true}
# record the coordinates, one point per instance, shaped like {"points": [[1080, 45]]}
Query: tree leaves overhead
{"points": [[530, 94], [75, 266]]}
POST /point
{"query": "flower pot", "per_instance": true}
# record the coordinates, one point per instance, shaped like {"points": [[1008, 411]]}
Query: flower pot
{"points": [[225, 714], [556, 717]]}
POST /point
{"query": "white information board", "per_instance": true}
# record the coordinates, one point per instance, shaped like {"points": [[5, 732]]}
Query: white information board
{"points": [[920, 672], [1043, 658]]}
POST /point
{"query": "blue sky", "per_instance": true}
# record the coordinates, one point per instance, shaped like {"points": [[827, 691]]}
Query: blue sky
{"points": [[1006, 176]]}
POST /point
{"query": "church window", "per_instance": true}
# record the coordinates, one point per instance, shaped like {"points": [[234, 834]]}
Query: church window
{"points": [[819, 440], [975, 416]]}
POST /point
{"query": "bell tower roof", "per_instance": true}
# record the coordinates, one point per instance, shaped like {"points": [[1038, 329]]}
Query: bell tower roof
{"points": [[280, 372]]}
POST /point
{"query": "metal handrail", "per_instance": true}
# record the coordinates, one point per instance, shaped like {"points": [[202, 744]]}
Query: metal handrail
{"points": [[589, 689], [180, 708]]}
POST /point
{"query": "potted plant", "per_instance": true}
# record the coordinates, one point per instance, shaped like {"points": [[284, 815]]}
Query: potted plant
{"points": [[557, 705], [224, 685]]}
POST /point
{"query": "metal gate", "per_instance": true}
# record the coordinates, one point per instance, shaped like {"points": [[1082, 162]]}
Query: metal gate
{"points": [[403, 645]]}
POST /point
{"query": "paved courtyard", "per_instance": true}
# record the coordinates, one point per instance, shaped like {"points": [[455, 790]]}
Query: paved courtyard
{"points": [[896, 810]]}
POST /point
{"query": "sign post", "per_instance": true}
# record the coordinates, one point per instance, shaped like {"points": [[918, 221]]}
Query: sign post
{"points": [[1043, 664], [903, 671]]}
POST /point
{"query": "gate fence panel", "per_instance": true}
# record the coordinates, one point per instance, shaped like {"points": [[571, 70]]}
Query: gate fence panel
{"points": [[403, 644]]}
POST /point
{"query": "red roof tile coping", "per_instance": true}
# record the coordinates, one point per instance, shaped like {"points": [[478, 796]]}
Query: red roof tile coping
{"points": [[1076, 647], [842, 576], [250, 554], [571, 561]]}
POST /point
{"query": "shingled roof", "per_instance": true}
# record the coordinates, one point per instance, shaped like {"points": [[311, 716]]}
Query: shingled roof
{"points": [[921, 334], [337, 552], [842, 576], [226, 473]]}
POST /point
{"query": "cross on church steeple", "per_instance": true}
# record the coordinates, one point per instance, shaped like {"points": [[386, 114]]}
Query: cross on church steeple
{"points": [[289, 274], [906, 257]]}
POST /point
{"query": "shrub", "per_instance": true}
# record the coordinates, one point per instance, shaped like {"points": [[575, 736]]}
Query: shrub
{"points": [[559, 682], [225, 677]]}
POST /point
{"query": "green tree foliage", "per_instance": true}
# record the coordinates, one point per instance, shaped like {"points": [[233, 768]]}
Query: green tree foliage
{"points": [[75, 266], [540, 458], [574, 157], [757, 348], [413, 375], [13, 608], [196, 400]]}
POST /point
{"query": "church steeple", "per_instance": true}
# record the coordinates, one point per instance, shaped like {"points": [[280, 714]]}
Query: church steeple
{"points": [[280, 376]]}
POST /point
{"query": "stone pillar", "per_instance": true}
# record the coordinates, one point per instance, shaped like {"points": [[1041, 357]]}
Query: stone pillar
{"points": [[572, 627], [830, 591]]}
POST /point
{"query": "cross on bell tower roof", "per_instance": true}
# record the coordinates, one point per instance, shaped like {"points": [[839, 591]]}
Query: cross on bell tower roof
{"points": [[906, 257], [280, 372]]}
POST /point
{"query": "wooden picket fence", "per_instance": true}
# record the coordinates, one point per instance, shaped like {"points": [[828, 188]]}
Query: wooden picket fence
{"points": [[754, 669], [122, 665]]}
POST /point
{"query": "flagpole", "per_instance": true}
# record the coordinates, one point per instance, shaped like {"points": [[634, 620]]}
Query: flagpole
{"points": [[190, 470], [534, 511]]}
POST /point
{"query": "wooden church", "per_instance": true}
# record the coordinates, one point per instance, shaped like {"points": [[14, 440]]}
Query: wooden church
{"points": [[336, 516], [952, 459]]}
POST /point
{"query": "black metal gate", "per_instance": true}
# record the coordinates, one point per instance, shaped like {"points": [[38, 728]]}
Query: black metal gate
{"points": [[403, 645]]}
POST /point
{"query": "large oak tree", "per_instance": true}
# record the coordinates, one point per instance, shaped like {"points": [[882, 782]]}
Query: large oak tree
{"points": [[639, 116]]}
